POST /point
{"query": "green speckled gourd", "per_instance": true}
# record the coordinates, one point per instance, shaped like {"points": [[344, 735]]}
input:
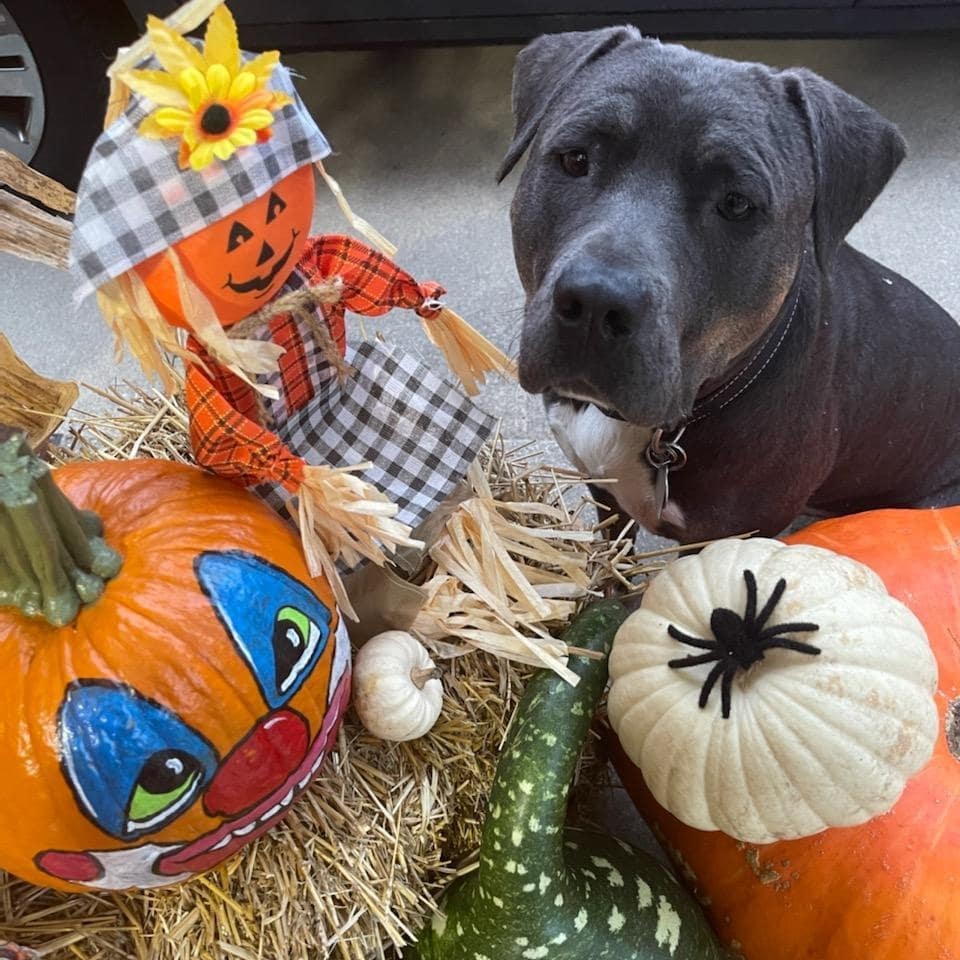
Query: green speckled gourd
{"points": [[546, 892]]}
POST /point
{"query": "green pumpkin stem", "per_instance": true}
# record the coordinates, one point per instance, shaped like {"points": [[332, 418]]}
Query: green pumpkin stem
{"points": [[537, 763], [52, 556]]}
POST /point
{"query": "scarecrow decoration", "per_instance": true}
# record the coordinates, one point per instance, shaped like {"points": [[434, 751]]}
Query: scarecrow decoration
{"points": [[192, 228]]}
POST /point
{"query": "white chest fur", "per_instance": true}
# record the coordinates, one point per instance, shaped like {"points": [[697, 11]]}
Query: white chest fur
{"points": [[608, 449]]}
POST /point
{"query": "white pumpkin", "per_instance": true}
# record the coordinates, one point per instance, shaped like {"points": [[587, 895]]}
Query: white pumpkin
{"points": [[396, 688], [768, 742]]}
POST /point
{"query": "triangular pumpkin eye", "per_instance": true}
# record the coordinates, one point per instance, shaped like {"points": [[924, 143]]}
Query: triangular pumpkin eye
{"points": [[238, 234], [275, 206]]}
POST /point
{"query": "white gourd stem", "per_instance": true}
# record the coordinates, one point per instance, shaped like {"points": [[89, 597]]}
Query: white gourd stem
{"points": [[420, 675]]}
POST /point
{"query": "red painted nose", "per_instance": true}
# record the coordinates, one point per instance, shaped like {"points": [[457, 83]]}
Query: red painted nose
{"points": [[258, 765]]}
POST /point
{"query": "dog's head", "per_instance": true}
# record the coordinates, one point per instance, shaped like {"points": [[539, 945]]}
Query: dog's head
{"points": [[666, 202]]}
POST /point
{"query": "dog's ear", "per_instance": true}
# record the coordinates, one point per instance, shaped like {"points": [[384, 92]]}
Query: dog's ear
{"points": [[855, 152], [543, 68]]}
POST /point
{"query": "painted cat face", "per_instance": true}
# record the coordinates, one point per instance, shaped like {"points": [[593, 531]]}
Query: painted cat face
{"points": [[144, 771]]}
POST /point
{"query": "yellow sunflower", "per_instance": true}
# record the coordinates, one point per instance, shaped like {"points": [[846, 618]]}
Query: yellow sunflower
{"points": [[211, 100]]}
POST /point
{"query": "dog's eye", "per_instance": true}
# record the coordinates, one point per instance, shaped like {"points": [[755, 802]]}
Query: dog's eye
{"points": [[735, 206], [575, 163]]}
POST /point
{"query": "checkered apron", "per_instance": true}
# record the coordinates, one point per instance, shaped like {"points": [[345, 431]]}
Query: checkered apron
{"points": [[419, 432]]}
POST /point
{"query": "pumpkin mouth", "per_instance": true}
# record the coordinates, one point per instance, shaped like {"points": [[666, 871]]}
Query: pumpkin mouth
{"points": [[263, 284], [209, 850]]}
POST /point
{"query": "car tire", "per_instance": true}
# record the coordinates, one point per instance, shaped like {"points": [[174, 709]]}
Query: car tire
{"points": [[68, 46]]}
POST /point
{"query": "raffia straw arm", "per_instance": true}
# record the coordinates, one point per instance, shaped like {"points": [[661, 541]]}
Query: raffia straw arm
{"points": [[341, 515], [467, 352]]}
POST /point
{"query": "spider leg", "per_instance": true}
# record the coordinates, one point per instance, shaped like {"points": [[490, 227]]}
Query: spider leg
{"points": [[769, 632], [769, 606], [751, 611], [786, 644], [726, 690], [712, 678], [692, 661], [690, 641]]}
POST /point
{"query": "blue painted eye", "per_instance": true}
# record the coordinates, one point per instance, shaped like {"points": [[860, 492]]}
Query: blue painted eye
{"points": [[133, 765], [279, 626]]}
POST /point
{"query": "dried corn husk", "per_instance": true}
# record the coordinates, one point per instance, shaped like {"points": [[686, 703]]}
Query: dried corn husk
{"points": [[342, 516], [468, 353], [28, 401]]}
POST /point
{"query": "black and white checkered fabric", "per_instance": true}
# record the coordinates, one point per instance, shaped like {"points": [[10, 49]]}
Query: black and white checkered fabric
{"points": [[134, 200], [420, 433]]}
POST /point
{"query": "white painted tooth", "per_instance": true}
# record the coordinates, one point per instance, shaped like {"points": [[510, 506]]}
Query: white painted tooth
{"points": [[271, 813], [220, 844], [243, 831], [288, 799]]}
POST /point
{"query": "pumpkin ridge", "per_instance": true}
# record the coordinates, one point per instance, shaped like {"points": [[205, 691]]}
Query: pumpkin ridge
{"points": [[818, 694], [686, 592], [716, 810], [753, 750], [34, 722], [679, 704], [247, 698], [805, 794], [753, 727], [896, 680], [846, 664], [836, 733]]}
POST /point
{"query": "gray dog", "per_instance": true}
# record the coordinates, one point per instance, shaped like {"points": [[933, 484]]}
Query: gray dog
{"points": [[679, 232]]}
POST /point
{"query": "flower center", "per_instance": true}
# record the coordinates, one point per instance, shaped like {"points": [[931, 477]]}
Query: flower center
{"points": [[215, 120]]}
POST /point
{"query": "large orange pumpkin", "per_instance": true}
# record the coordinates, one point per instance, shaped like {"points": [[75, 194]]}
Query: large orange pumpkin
{"points": [[240, 262], [179, 715], [886, 890]]}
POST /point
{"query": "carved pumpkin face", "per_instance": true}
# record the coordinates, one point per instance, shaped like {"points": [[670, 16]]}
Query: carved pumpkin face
{"points": [[184, 710], [241, 261]]}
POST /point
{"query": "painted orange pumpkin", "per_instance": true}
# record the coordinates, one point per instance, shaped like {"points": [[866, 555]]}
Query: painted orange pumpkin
{"points": [[180, 714], [890, 888], [241, 261]]}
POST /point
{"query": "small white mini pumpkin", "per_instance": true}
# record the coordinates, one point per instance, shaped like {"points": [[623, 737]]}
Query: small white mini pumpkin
{"points": [[772, 691], [396, 688]]}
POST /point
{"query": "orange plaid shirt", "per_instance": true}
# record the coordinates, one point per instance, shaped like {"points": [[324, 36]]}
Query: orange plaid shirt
{"points": [[226, 428]]}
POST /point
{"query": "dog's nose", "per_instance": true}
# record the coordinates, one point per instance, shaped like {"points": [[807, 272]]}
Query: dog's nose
{"points": [[607, 300]]}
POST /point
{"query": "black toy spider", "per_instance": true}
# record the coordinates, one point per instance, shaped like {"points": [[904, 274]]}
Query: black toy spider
{"points": [[738, 642]]}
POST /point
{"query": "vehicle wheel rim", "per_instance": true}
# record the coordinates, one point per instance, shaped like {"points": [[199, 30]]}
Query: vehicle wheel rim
{"points": [[22, 110]]}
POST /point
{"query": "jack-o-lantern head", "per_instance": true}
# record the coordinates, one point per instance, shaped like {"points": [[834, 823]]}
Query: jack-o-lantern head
{"points": [[240, 262], [207, 156], [181, 713]]}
